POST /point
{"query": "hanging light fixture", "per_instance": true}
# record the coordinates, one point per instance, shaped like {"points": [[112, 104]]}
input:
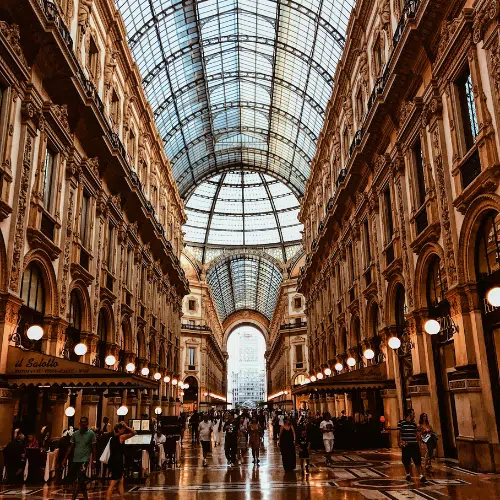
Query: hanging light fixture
{"points": [[158, 410], [394, 343], [319, 375], [35, 332], [351, 361], [174, 381], [339, 367], [122, 411], [166, 379], [432, 327], [80, 349], [181, 385], [145, 371], [307, 381], [493, 296], [328, 372], [130, 367], [186, 386], [313, 378], [157, 376], [369, 354], [110, 360], [70, 411]]}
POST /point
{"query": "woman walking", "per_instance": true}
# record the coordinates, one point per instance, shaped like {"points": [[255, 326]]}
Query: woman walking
{"points": [[242, 440], [255, 431], [115, 462], [286, 443], [428, 440]]}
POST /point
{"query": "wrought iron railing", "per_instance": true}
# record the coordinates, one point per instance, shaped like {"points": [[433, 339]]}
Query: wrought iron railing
{"points": [[291, 326]]}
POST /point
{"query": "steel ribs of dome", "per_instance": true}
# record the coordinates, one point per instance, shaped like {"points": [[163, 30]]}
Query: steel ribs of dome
{"points": [[164, 14], [238, 38]]}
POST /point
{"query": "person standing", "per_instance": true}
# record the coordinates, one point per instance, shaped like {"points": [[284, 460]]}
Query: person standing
{"points": [[194, 422], [408, 439], [217, 430], [428, 441], [231, 440], [83, 445], [286, 442], [255, 433], [205, 429], [304, 450], [327, 429], [159, 440], [115, 462]]}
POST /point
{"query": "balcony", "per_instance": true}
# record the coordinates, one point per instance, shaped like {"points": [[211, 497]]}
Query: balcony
{"points": [[292, 326], [197, 328]]}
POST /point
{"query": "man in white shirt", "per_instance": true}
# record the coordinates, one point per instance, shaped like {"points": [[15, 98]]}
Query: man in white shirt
{"points": [[326, 427], [205, 432], [159, 439]]}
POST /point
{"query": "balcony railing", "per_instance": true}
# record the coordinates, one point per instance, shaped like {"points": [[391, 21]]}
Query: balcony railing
{"points": [[53, 15], [341, 177], [291, 326], [198, 328]]}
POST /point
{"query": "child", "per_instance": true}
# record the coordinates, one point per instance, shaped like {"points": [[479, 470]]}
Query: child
{"points": [[303, 444], [242, 440]]}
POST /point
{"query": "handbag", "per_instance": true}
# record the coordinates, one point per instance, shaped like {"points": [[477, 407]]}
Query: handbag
{"points": [[106, 453]]}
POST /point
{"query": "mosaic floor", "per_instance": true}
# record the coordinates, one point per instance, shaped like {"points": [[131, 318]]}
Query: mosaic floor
{"points": [[373, 475]]}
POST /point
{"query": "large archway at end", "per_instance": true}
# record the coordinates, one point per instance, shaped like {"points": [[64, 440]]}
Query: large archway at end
{"points": [[245, 318]]}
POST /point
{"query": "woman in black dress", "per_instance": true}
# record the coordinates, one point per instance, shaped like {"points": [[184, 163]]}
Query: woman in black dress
{"points": [[287, 445], [115, 462]]}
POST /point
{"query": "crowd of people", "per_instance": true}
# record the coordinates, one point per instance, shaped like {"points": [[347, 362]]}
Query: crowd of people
{"points": [[297, 433]]}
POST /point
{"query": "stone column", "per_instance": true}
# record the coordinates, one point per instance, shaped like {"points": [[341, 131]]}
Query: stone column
{"points": [[90, 402], [59, 420], [9, 308], [391, 414], [8, 403], [145, 404], [322, 404]]}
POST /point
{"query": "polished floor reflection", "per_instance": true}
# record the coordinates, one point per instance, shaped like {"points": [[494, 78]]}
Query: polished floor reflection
{"points": [[373, 475]]}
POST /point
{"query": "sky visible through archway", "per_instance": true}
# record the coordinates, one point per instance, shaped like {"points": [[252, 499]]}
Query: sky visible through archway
{"points": [[246, 348]]}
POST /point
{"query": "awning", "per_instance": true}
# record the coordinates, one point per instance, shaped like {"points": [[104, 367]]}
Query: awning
{"points": [[370, 377], [31, 368]]}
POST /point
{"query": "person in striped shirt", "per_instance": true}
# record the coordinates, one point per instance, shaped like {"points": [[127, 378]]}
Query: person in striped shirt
{"points": [[408, 438]]}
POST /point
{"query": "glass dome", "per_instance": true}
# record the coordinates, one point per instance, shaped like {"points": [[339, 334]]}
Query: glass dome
{"points": [[242, 209]]}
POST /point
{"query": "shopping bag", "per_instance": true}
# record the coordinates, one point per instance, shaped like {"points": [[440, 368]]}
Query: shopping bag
{"points": [[106, 453]]}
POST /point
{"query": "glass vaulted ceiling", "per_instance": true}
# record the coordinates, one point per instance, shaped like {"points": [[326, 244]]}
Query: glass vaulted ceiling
{"points": [[237, 83], [243, 209]]}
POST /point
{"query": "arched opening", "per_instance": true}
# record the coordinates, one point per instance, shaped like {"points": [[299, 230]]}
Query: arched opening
{"points": [[190, 398], [33, 309], [443, 351], [247, 368], [404, 352], [487, 268], [74, 329]]}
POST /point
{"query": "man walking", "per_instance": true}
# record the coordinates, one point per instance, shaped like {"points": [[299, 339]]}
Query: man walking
{"points": [[326, 427], [83, 446], [205, 430], [231, 440], [408, 439]]}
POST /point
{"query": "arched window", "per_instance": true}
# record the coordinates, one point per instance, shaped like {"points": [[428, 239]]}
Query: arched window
{"points": [[75, 311], [487, 256], [102, 332], [32, 289], [399, 307], [435, 284], [374, 320], [75, 325]]}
